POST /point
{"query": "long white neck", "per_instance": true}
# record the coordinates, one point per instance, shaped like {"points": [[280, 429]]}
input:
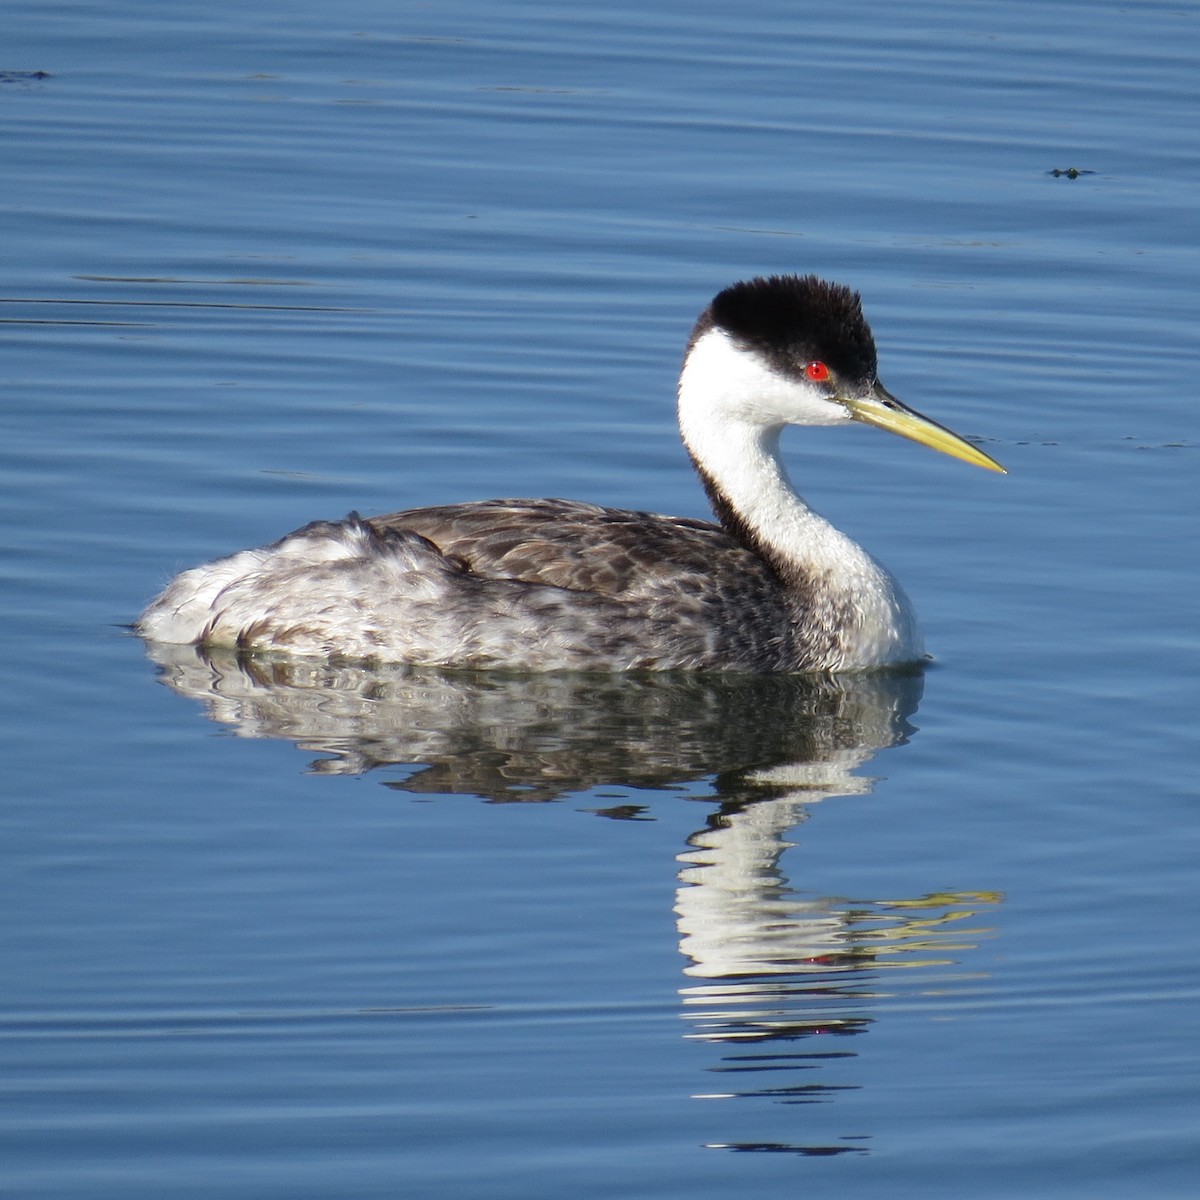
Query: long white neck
{"points": [[732, 409]]}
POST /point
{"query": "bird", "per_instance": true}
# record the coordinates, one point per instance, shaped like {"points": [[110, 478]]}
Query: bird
{"points": [[563, 585]]}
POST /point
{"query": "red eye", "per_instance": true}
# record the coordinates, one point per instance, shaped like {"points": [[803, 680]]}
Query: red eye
{"points": [[818, 372]]}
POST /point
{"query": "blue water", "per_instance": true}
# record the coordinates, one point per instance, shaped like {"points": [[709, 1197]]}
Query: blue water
{"points": [[307, 931]]}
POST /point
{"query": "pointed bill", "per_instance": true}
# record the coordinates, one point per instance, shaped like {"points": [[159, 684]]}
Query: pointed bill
{"points": [[881, 409]]}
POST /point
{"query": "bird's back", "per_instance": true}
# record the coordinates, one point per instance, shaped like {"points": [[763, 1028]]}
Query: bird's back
{"points": [[528, 584]]}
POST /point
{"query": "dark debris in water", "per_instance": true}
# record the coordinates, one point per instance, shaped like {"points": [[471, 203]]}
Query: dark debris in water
{"points": [[23, 76], [1069, 172], [786, 1148]]}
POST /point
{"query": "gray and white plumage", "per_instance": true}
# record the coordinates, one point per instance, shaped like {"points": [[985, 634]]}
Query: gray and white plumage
{"points": [[562, 585]]}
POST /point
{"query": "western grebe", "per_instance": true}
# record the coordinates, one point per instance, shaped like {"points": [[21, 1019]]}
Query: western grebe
{"points": [[561, 585]]}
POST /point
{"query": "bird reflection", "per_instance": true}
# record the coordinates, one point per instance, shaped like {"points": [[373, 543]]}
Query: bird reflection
{"points": [[778, 980], [537, 737], [786, 975]]}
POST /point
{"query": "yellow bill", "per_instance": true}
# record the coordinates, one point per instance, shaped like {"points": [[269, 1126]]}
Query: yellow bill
{"points": [[881, 409]]}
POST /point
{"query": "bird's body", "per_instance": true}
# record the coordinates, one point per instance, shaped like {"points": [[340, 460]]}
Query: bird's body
{"points": [[561, 585]]}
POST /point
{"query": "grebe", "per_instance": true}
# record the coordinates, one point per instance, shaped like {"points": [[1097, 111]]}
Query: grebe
{"points": [[562, 585]]}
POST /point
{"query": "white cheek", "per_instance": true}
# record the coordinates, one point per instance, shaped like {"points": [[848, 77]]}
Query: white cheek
{"points": [[721, 378]]}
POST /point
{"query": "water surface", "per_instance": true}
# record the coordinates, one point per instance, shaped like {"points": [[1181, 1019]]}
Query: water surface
{"points": [[303, 931]]}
